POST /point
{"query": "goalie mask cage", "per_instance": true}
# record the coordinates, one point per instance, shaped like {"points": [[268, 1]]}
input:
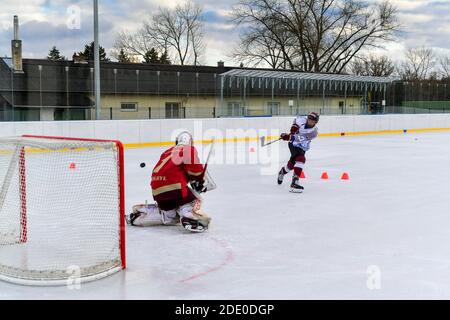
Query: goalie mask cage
{"points": [[61, 209]]}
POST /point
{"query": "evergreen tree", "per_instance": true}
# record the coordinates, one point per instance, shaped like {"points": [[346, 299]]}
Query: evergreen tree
{"points": [[123, 57], [55, 55], [89, 52], [151, 56], [164, 59]]}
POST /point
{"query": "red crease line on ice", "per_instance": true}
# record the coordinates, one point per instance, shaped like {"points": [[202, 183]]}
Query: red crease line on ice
{"points": [[227, 260]]}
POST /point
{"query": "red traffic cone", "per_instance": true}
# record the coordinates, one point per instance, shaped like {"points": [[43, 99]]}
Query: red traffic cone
{"points": [[345, 176], [302, 175], [72, 165], [324, 176]]}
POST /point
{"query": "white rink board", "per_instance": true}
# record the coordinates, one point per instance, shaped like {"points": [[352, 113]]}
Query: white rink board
{"points": [[144, 131]]}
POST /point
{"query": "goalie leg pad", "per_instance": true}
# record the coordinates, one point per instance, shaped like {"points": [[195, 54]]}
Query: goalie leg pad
{"points": [[169, 218], [193, 218], [145, 208], [144, 215]]}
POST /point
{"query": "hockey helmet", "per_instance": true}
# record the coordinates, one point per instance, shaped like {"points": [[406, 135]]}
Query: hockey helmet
{"points": [[313, 116]]}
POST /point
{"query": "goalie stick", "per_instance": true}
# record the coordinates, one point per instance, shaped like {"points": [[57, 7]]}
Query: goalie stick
{"points": [[209, 182], [205, 174], [207, 157]]}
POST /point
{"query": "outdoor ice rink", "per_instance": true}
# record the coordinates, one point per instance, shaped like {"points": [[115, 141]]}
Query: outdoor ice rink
{"points": [[383, 234]]}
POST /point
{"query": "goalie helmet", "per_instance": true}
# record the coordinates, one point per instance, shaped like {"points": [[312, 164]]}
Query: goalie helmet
{"points": [[184, 138]]}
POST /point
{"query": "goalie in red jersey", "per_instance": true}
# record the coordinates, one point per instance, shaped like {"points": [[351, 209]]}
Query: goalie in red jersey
{"points": [[177, 180]]}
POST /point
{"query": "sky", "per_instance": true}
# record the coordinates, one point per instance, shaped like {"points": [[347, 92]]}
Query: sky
{"points": [[47, 23]]}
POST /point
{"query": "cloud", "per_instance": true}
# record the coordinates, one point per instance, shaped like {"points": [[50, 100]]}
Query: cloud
{"points": [[425, 23], [43, 24], [39, 35]]}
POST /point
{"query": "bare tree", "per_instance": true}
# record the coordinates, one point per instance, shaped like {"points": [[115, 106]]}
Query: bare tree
{"points": [[177, 34], [257, 45], [418, 64], [193, 17], [179, 31], [313, 35], [444, 63], [372, 65], [136, 45]]}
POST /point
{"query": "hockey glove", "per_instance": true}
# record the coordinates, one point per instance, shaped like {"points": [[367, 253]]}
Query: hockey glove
{"points": [[285, 136]]}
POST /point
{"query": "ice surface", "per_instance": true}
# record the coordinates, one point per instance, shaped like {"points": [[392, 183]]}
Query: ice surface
{"points": [[392, 216]]}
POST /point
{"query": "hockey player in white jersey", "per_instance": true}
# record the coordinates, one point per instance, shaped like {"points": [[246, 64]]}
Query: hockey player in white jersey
{"points": [[303, 130]]}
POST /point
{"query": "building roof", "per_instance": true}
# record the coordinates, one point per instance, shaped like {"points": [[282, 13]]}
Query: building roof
{"points": [[275, 74], [111, 65], [8, 62]]}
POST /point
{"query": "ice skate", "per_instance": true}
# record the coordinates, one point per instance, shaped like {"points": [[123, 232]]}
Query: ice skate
{"points": [[295, 186], [193, 225], [131, 217], [281, 174]]}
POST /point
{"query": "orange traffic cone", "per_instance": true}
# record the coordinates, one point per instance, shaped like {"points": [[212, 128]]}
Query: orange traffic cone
{"points": [[302, 175], [345, 176], [324, 176], [72, 165]]}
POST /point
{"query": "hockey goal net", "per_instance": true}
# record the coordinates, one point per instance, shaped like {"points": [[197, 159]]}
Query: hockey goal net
{"points": [[61, 209]]}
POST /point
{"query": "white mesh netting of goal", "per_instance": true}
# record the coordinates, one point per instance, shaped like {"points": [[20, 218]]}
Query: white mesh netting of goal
{"points": [[61, 209]]}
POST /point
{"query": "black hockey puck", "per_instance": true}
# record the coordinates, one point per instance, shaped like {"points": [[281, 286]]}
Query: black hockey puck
{"points": [[142, 164]]}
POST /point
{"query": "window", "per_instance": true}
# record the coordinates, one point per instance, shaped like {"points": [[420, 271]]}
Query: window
{"points": [[273, 108], [27, 114], [341, 106], [71, 114], [128, 106], [174, 110], [234, 109]]}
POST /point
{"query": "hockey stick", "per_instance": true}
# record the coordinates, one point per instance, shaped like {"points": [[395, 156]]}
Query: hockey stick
{"points": [[263, 144]]}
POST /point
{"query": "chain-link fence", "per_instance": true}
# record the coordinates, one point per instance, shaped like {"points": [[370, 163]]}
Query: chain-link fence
{"points": [[65, 91]]}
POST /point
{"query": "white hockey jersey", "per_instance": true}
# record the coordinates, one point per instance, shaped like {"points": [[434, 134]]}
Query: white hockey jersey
{"points": [[302, 138]]}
